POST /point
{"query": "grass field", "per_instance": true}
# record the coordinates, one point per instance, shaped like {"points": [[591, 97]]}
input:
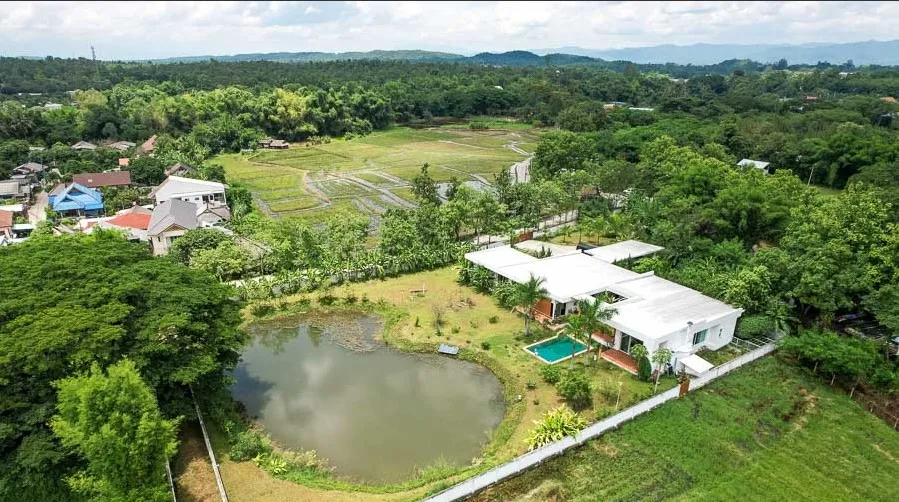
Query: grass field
{"points": [[767, 432], [362, 167]]}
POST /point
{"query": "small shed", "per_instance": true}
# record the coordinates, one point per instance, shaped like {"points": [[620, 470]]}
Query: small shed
{"points": [[450, 350]]}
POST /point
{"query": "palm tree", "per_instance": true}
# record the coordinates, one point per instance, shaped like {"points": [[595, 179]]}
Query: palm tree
{"points": [[595, 314], [574, 329], [527, 295]]}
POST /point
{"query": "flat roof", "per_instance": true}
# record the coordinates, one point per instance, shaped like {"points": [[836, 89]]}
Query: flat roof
{"points": [[656, 306], [494, 259], [571, 275], [623, 250]]}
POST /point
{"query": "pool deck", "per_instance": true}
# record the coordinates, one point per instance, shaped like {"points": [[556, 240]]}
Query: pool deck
{"points": [[538, 356]]}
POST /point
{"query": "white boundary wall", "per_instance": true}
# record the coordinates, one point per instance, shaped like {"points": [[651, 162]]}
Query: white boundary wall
{"points": [[520, 464]]}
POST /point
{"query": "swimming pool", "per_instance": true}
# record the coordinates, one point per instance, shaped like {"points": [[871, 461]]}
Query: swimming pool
{"points": [[555, 349]]}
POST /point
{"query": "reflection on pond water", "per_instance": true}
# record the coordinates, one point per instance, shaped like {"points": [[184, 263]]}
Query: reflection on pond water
{"points": [[326, 384]]}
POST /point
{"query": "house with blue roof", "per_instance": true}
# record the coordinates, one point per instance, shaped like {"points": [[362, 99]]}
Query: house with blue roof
{"points": [[76, 200]]}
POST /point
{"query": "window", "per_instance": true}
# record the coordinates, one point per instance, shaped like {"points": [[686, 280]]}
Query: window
{"points": [[699, 336]]}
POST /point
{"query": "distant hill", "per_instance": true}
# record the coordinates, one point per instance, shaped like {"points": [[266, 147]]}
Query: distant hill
{"points": [[861, 53], [305, 57]]}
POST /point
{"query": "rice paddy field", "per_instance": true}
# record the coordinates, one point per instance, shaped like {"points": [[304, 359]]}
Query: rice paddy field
{"points": [[371, 174], [767, 432]]}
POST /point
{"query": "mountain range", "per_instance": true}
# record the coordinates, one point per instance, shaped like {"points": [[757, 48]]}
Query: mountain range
{"points": [[861, 53]]}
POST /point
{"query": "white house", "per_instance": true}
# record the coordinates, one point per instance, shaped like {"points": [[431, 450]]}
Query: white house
{"points": [[170, 220], [200, 192], [758, 164], [650, 310]]}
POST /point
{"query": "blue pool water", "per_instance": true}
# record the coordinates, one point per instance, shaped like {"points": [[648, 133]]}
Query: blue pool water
{"points": [[557, 348]]}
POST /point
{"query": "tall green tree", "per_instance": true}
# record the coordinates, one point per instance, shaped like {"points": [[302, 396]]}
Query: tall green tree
{"points": [[112, 420], [424, 187], [71, 301]]}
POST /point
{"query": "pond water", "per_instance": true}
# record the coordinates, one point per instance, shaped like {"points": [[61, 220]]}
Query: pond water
{"points": [[324, 383]]}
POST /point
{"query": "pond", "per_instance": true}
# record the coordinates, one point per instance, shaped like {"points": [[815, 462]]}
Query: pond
{"points": [[325, 383]]}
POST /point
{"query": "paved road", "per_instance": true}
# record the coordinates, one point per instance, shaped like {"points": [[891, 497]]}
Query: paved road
{"points": [[36, 212]]}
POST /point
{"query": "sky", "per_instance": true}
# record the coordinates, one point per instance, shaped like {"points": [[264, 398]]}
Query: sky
{"points": [[143, 30]]}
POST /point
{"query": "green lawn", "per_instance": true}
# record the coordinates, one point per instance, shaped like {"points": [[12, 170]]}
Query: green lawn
{"points": [[766, 432]]}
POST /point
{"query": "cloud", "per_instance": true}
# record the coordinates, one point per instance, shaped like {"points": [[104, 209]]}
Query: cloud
{"points": [[125, 30]]}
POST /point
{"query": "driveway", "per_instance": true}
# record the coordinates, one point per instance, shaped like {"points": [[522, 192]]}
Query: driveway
{"points": [[36, 212]]}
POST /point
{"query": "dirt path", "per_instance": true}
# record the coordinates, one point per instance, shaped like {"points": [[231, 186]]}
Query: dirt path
{"points": [[36, 212], [192, 470]]}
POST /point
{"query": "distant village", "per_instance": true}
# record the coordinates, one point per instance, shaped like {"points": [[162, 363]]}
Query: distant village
{"points": [[180, 203]]}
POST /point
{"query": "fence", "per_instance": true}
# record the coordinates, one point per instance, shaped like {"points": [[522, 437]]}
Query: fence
{"points": [[517, 466], [215, 465]]}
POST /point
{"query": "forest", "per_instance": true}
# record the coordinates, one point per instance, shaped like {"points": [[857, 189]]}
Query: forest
{"points": [[815, 239]]}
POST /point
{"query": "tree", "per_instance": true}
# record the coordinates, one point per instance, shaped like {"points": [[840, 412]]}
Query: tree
{"points": [[71, 301], [146, 170], [884, 303], [595, 313], [660, 358], [574, 330], [240, 200], [112, 420], [193, 241], [226, 261], [424, 187], [644, 367], [527, 295]]}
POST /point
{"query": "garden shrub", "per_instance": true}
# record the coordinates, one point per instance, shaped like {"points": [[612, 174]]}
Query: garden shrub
{"points": [[551, 374], [485, 345], [493, 319], [248, 444], [555, 425], [751, 326], [506, 294], [644, 369], [576, 388]]}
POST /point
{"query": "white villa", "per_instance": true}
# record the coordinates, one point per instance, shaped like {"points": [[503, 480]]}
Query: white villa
{"points": [[200, 192], [649, 310]]}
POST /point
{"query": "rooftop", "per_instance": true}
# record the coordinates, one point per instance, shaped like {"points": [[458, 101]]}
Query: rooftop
{"points": [[651, 306], [758, 164], [84, 145], [173, 212], [623, 250], [112, 178], [178, 186]]}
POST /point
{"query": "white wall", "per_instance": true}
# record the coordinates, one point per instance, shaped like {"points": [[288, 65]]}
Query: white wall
{"points": [[163, 242]]}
